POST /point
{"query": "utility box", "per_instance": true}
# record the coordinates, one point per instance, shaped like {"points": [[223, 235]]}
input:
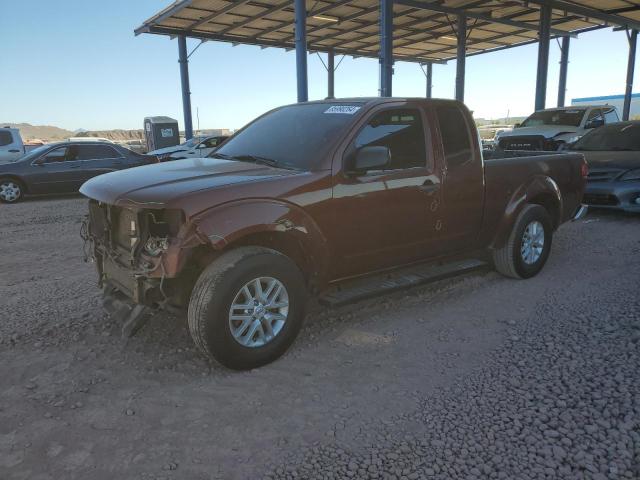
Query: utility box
{"points": [[161, 132]]}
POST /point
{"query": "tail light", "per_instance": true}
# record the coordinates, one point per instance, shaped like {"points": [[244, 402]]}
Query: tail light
{"points": [[584, 170]]}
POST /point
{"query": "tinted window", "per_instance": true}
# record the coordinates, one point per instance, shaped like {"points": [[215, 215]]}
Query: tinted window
{"points": [[455, 135], [92, 152], [399, 130], [615, 137], [571, 117], [56, 155], [611, 116], [5, 138], [297, 136]]}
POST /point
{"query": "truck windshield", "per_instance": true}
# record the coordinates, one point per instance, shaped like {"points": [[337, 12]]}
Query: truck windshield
{"points": [[572, 117], [616, 137], [296, 136]]}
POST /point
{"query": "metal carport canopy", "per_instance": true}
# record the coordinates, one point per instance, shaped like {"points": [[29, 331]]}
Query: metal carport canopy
{"points": [[423, 30]]}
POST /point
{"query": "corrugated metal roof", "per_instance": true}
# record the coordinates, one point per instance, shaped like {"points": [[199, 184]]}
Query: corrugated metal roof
{"points": [[424, 30]]}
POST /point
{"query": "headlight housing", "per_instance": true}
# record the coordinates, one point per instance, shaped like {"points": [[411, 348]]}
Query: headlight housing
{"points": [[631, 175]]}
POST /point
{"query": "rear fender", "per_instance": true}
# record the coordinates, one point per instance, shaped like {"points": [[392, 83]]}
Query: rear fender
{"points": [[227, 224], [541, 190]]}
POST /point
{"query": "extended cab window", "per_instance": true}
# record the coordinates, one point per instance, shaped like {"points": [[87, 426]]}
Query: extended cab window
{"points": [[455, 135], [400, 130], [5, 138]]}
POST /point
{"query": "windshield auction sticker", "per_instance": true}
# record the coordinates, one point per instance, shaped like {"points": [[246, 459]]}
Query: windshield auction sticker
{"points": [[344, 109]]}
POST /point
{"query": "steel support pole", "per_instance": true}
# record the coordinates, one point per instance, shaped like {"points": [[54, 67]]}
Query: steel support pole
{"points": [[633, 43], [331, 69], [183, 60], [429, 78], [386, 47], [543, 56], [300, 8], [461, 56], [564, 67]]}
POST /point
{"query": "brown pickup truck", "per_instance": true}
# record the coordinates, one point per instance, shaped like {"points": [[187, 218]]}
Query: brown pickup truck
{"points": [[312, 194]]}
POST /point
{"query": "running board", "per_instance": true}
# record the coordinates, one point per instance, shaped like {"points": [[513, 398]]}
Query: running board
{"points": [[409, 277]]}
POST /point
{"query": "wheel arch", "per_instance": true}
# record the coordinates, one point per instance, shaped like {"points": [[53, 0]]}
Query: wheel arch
{"points": [[18, 179], [540, 190], [278, 225]]}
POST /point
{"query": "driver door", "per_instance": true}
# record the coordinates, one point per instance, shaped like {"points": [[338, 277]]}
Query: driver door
{"points": [[53, 172], [389, 216]]}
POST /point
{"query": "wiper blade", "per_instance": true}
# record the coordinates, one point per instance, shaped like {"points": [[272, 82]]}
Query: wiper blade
{"points": [[256, 159]]}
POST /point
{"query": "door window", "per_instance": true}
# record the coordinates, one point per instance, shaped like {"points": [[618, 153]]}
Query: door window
{"points": [[93, 152], [455, 136], [400, 130], [5, 138], [595, 119], [56, 155]]}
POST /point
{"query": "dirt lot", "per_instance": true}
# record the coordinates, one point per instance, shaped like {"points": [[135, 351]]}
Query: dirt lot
{"points": [[476, 377]]}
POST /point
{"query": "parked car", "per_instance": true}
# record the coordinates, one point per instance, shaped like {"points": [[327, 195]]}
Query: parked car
{"points": [[63, 167], [613, 154], [11, 145], [550, 129], [195, 147], [311, 194]]}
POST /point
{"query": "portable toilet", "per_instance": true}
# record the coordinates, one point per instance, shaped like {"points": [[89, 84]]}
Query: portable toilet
{"points": [[161, 132]]}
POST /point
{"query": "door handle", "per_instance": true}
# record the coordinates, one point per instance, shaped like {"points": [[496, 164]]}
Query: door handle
{"points": [[14, 150], [429, 187]]}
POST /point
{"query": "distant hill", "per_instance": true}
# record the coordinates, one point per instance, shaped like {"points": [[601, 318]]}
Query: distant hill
{"points": [[42, 132], [50, 133], [115, 135]]}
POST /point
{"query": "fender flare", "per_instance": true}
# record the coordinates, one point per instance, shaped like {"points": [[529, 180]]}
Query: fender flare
{"points": [[228, 223], [540, 189]]}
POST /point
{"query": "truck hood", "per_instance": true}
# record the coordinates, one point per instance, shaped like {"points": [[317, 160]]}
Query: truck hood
{"points": [[154, 186], [612, 159], [549, 131]]}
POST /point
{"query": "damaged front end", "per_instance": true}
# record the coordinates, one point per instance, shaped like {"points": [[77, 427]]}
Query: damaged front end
{"points": [[140, 255]]}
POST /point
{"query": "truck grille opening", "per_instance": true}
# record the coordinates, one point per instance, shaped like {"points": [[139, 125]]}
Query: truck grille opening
{"points": [[600, 199], [528, 142]]}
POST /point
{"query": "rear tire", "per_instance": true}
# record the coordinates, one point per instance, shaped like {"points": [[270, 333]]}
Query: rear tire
{"points": [[527, 247], [11, 190], [216, 322]]}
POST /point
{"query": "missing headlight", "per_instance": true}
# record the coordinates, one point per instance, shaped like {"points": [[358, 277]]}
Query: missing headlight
{"points": [[156, 245]]}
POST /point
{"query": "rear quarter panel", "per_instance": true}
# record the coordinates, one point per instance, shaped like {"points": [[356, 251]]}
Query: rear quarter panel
{"points": [[514, 182]]}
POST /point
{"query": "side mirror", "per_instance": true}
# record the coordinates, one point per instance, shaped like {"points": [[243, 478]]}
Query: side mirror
{"points": [[40, 161], [371, 158], [594, 123]]}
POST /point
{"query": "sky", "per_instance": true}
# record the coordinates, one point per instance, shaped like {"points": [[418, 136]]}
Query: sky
{"points": [[77, 64]]}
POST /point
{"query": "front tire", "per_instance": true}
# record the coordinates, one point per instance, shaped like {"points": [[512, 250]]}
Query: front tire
{"points": [[247, 307], [11, 190], [528, 245]]}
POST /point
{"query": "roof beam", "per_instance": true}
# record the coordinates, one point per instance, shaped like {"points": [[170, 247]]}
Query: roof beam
{"points": [[215, 15], [275, 8], [585, 11], [437, 7], [237, 40]]}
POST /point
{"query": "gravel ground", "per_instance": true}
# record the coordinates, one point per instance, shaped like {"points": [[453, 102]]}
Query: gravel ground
{"points": [[474, 377]]}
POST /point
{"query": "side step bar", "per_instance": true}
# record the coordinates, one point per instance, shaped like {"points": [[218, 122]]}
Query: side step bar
{"points": [[402, 279]]}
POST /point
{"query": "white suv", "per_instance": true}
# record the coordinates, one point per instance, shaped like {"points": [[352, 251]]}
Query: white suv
{"points": [[11, 146], [553, 128]]}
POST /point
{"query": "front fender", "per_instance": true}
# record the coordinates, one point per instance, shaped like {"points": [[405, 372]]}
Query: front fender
{"points": [[231, 222], [540, 189]]}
